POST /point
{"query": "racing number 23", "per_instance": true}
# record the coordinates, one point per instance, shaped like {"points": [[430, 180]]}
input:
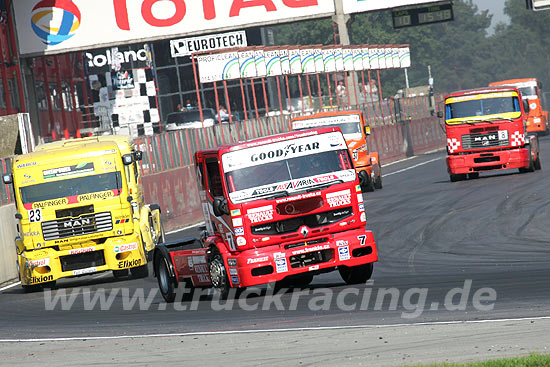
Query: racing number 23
{"points": [[35, 215]]}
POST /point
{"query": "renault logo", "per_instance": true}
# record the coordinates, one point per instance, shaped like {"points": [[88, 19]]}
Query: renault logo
{"points": [[304, 231]]}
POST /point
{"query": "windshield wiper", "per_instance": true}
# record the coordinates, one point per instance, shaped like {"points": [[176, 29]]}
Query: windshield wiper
{"points": [[272, 195], [323, 185]]}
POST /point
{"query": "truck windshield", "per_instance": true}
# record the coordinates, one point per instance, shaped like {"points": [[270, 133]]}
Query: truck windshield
{"points": [[287, 168], [349, 124], [528, 91], [71, 187], [485, 107]]}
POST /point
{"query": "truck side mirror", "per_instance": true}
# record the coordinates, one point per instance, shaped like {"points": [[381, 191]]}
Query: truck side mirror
{"points": [[367, 130], [138, 155], [526, 105], [7, 178], [440, 114], [220, 206], [127, 159]]}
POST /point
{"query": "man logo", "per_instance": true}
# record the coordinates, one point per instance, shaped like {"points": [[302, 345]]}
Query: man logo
{"points": [[55, 21]]}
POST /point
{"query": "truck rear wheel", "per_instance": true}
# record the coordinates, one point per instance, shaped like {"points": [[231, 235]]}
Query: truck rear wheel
{"points": [[537, 162], [356, 274], [218, 274], [165, 280], [531, 167]]}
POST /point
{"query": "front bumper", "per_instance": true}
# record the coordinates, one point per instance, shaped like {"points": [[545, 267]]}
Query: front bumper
{"points": [[48, 264], [485, 161], [322, 253]]}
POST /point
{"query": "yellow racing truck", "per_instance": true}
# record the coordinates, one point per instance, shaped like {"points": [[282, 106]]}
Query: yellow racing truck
{"points": [[80, 210]]}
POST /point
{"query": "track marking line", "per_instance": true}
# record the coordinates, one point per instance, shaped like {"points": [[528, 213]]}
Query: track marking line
{"points": [[9, 286], [319, 328], [411, 167], [184, 228]]}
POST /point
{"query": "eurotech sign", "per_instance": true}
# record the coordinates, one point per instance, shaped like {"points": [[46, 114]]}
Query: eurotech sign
{"points": [[56, 26]]}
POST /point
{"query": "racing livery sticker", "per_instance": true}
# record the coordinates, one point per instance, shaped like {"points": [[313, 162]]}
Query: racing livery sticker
{"points": [[260, 214], [125, 248], [281, 265], [339, 198], [343, 253], [81, 250], [68, 170]]}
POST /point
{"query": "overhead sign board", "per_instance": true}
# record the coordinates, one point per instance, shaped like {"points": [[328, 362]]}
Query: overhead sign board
{"points": [[428, 14], [50, 27], [538, 4], [187, 46], [358, 6]]}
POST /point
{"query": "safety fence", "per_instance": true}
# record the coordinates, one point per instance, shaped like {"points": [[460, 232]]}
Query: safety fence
{"points": [[400, 128]]}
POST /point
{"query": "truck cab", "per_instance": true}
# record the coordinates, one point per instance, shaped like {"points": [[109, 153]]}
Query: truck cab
{"points": [[486, 130], [355, 129], [530, 88], [80, 210], [279, 208]]}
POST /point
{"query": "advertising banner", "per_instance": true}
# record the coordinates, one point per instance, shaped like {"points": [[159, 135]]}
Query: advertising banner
{"points": [[318, 57], [247, 64], [373, 56], [261, 68], [308, 62], [285, 62], [339, 59], [50, 27], [187, 46], [273, 62], [357, 55], [217, 67], [404, 56], [347, 54], [366, 58], [329, 60], [295, 61]]}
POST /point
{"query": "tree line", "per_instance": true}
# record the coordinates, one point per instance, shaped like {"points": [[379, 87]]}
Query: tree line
{"points": [[462, 53]]}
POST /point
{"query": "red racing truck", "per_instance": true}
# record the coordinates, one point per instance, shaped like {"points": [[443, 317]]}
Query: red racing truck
{"points": [[281, 208], [486, 130]]}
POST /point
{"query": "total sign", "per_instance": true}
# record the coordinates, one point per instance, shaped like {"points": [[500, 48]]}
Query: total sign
{"points": [[53, 26]]}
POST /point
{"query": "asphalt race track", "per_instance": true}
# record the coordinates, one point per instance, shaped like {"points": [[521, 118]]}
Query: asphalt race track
{"points": [[453, 257]]}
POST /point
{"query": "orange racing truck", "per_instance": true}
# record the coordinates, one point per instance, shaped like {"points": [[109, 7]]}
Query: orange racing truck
{"points": [[80, 210], [281, 208], [356, 130], [530, 88], [486, 130]]}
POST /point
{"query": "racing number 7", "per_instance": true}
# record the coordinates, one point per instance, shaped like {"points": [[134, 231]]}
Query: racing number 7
{"points": [[362, 239]]}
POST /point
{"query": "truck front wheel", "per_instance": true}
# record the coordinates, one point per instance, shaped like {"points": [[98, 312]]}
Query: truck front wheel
{"points": [[378, 177], [459, 177], [140, 271], [356, 274], [219, 274]]}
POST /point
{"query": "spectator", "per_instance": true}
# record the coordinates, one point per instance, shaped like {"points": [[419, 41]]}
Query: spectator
{"points": [[188, 104], [341, 89], [224, 116], [179, 107], [371, 91]]}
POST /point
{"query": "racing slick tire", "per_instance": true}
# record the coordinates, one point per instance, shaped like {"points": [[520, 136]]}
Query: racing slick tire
{"points": [[218, 274], [459, 177], [473, 175], [378, 180], [295, 281], [356, 274], [119, 274], [165, 280], [140, 271], [531, 167], [537, 163], [31, 288]]}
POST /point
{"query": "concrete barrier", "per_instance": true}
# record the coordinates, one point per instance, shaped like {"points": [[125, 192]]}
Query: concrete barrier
{"points": [[8, 231]]}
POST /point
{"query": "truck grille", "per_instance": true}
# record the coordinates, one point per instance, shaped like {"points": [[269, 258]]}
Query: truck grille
{"points": [[485, 140], [311, 220], [71, 227], [82, 261]]}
